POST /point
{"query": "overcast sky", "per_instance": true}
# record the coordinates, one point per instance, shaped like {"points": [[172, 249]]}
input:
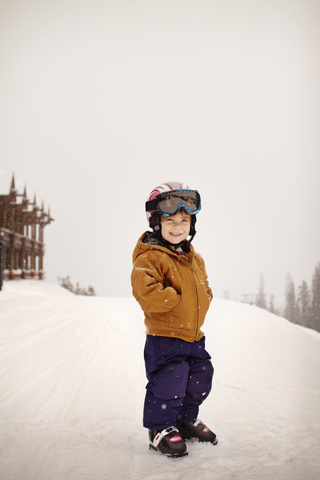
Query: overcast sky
{"points": [[101, 101]]}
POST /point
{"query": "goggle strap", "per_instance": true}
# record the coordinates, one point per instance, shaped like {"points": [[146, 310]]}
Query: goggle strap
{"points": [[151, 205]]}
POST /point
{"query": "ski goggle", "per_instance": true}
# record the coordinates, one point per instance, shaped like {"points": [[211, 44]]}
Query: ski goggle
{"points": [[169, 203]]}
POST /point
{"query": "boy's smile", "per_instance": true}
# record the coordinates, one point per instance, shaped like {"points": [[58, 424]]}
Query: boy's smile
{"points": [[176, 228]]}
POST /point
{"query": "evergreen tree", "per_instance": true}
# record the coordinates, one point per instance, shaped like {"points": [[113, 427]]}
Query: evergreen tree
{"points": [[271, 305], [315, 303], [297, 314], [304, 305], [77, 290], [290, 306], [91, 292], [278, 311], [65, 282], [261, 297]]}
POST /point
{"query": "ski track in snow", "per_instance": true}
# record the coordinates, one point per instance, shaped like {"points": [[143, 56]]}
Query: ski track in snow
{"points": [[72, 392]]}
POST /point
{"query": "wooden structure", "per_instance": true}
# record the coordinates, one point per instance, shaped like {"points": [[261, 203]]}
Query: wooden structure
{"points": [[21, 229], [249, 298]]}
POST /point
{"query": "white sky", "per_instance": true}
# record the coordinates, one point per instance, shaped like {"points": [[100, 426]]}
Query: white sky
{"points": [[101, 101]]}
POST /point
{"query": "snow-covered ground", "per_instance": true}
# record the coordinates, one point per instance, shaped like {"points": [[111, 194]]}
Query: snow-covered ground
{"points": [[72, 390]]}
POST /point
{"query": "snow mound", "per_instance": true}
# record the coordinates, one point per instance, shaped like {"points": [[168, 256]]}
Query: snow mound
{"points": [[72, 390]]}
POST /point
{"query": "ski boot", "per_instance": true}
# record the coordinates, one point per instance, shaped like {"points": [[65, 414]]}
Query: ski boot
{"points": [[196, 430], [168, 442]]}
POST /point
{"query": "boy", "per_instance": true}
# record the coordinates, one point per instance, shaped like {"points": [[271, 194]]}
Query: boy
{"points": [[170, 283]]}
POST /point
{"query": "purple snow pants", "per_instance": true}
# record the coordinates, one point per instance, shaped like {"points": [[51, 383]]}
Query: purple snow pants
{"points": [[179, 379]]}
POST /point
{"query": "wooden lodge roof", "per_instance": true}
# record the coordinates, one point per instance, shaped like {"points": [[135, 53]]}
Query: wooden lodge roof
{"points": [[17, 198], [21, 228]]}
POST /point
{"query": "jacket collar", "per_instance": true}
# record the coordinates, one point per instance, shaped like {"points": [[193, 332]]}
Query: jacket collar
{"points": [[149, 241]]}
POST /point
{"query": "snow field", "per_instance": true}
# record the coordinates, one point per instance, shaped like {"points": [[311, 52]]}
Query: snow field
{"points": [[72, 391]]}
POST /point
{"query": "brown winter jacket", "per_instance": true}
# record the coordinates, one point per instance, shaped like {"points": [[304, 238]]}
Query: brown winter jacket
{"points": [[172, 290]]}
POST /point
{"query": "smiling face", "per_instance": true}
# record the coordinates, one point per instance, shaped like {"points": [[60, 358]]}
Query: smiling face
{"points": [[176, 228]]}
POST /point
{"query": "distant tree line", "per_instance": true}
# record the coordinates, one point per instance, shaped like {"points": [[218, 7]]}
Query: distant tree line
{"points": [[66, 283], [302, 306]]}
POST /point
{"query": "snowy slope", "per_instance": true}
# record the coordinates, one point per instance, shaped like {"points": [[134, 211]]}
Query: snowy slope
{"points": [[72, 389]]}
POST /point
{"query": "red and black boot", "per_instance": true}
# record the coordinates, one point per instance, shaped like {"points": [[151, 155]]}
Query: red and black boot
{"points": [[168, 442], [197, 430]]}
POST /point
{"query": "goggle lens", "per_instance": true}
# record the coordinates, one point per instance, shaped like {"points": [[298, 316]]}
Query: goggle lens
{"points": [[172, 202]]}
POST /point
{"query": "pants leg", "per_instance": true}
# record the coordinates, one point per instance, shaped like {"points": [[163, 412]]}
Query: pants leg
{"points": [[199, 382], [167, 372]]}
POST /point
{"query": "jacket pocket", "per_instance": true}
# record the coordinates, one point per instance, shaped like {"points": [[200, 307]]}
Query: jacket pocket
{"points": [[184, 315]]}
